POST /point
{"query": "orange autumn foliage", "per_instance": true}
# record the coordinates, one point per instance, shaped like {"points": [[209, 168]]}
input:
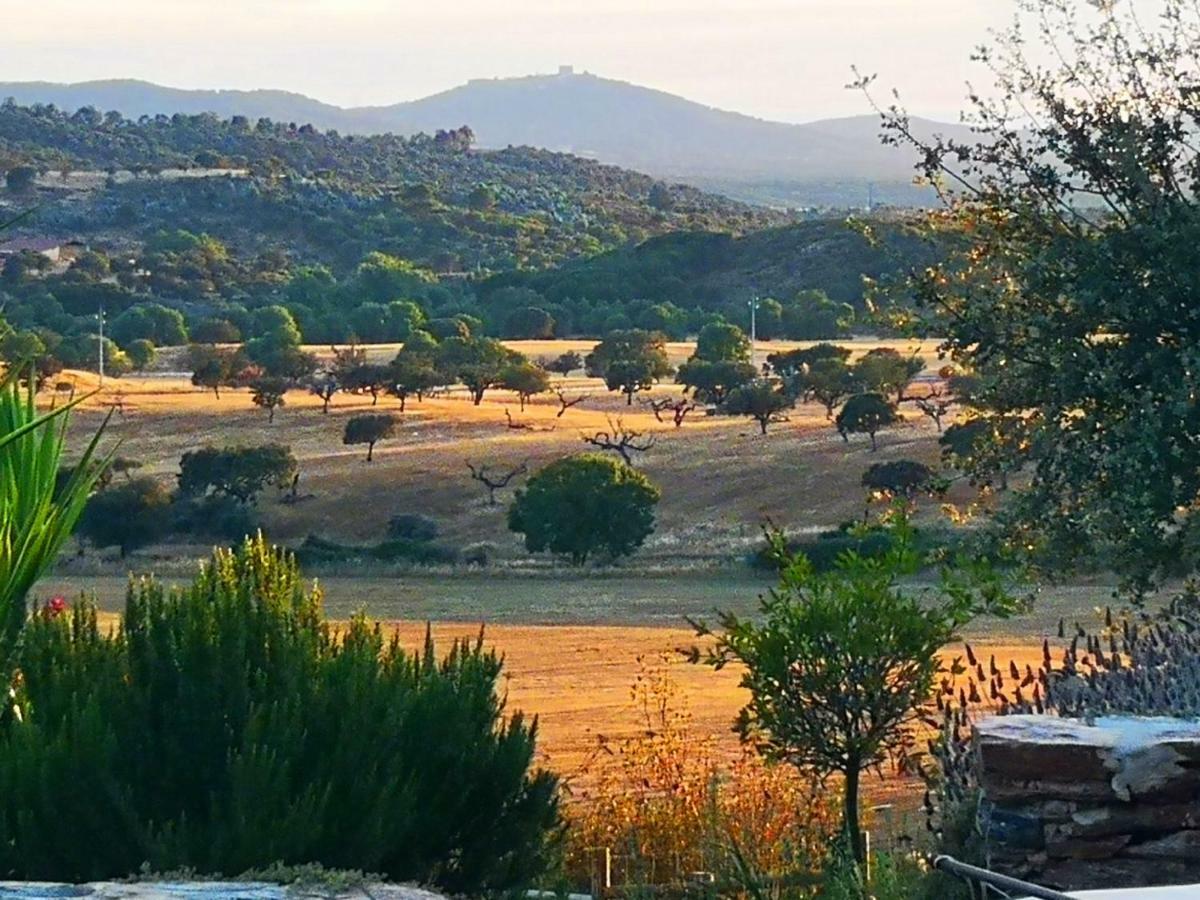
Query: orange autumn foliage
{"points": [[667, 804]]}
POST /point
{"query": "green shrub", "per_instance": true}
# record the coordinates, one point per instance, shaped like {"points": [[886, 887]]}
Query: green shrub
{"points": [[214, 517], [412, 527], [225, 726], [479, 553], [317, 549]]}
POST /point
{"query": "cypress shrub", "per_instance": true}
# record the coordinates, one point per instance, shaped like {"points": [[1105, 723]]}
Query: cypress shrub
{"points": [[227, 726]]}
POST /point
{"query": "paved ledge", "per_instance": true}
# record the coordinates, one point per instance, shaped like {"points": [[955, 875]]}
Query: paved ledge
{"points": [[206, 890]]}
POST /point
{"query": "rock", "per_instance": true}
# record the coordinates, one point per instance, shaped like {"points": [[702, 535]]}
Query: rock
{"points": [[1010, 748], [1059, 847], [1010, 794], [1182, 845], [1127, 819]]}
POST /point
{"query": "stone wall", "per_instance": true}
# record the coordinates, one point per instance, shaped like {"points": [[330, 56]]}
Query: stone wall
{"points": [[1073, 805]]}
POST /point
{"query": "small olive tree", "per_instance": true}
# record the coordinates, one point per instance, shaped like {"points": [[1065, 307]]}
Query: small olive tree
{"points": [[866, 414], [369, 430], [841, 665]]}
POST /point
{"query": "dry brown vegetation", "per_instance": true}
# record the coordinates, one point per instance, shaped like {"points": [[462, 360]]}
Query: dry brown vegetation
{"points": [[721, 480]]}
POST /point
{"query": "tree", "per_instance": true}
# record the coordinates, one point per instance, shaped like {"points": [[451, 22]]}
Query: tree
{"points": [[711, 382], [526, 379], [1066, 283], [790, 363], [369, 430], [566, 401], [583, 505], [238, 472], [141, 354], [901, 477], [629, 361], [761, 400], [678, 406], [277, 348], [268, 391], [214, 367], [865, 414], [20, 179], [621, 440], [154, 322], [412, 373], [841, 665], [324, 385], [564, 364], [828, 381], [479, 363], [494, 480], [722, 342], [885, 371], [529, 323], [366, 378], [215, 331], [812, 316], [128, 516]]}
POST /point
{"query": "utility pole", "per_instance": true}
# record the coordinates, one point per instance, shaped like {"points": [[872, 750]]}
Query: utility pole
{"points": [[100, 345], [753, 327]]}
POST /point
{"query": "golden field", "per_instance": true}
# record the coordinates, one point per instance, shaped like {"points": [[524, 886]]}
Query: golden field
{"points": [[572, 639]]}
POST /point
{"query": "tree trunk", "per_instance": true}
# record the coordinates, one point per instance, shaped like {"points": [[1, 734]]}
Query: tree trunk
{"points": [[374, 398], [478, 396], [403, 397], [874, 446], [629, 398], [850, 816], [762, 425], [271, 415], [370, 450]]}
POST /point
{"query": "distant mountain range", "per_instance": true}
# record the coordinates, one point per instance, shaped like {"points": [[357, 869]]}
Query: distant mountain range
{"points": [[833, 162]]}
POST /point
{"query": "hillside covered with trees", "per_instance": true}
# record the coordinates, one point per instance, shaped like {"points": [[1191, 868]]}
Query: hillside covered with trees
{"points": [[333, 198]]}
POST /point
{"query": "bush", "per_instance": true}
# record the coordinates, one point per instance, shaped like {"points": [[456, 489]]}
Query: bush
{"points": [[317, 549], [479, 553], [214, 517], [412, 527], [225, 726]]}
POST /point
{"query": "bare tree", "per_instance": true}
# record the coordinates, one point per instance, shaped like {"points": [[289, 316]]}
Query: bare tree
{"points": [[679, 408], [516, 426], [564, 403], [494, 480], [621, 440], [935, 403]]}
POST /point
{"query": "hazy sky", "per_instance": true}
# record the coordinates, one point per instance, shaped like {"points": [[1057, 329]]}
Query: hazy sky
{"points": [[780, 59]]}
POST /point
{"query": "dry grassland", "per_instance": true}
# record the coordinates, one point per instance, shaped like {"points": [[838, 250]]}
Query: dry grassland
{"points": [[573, 640]]}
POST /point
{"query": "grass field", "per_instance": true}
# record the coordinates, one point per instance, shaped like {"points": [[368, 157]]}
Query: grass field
{"points": [[573, 639], [721, 480]]}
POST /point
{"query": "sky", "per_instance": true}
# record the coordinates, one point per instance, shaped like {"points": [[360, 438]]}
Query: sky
{"points": [[787, 60]]}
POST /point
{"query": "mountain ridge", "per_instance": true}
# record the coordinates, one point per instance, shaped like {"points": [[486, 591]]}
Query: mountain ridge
{"points": [[612, 121]]}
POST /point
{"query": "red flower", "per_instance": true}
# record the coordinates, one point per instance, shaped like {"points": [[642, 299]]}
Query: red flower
{"points": [[56, 606]]}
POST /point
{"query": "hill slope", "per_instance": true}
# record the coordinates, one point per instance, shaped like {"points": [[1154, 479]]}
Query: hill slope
{"points": [[823, 162], [433, 200]]}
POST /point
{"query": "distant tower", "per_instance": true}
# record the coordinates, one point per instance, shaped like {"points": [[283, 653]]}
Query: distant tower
{"points": [[564, 71], [870, 196]]}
